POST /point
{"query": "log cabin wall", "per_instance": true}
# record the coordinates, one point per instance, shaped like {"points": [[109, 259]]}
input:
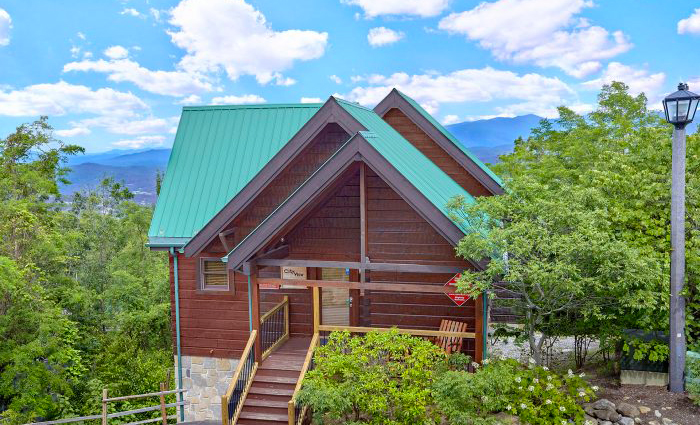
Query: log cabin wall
{"points": [[396, 233], [216, 324], [411, 132]]}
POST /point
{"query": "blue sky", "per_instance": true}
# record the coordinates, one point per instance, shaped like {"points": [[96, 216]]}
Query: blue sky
{"points": [[115, 74]]}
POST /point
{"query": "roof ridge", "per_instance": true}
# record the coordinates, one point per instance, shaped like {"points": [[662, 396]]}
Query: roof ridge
{"points": [[253, 106], [353, 104]]}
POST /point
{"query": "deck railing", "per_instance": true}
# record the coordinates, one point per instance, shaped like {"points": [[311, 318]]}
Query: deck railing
{"points": [[274, 327], [431, 335], [232, 401], [104, 417], [296, 410]]}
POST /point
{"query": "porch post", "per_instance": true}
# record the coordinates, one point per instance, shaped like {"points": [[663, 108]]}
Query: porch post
{"points": [[479, 329], [255, 312], [317, 308]]}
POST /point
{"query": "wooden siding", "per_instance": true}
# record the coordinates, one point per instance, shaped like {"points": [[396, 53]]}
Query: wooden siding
{"points": [[411, 132], [216, 324]]}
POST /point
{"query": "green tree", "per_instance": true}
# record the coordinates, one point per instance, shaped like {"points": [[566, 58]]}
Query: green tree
{"points": [[586, 214]]}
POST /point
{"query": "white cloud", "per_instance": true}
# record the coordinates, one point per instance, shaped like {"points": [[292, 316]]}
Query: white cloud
{"points": [[131, 12], [450, 119], [638, 79], [192, 99], [72, 132], [168, 83], [155, 13], [381, 35], [422, 8], [116, 52], [467, 85], [5, 27], [62, 98], [311, 100], [75, 52], [140, 142], [81, 35], [691, 24], [120, 125], [543, 32], [237, 100], [336, 79], [231, 36]]}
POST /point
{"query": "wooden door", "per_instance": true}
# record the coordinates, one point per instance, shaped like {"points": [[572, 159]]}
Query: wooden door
{"points": [[335, 302]]}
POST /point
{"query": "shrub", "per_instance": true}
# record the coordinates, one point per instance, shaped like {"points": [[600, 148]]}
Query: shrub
{"points": [[381, 378], [693, 377], [535, 394]]}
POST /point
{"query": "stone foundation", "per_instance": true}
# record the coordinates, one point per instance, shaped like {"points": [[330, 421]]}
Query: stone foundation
{"points": [[205, 380]]}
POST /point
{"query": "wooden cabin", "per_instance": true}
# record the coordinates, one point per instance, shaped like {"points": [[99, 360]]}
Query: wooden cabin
{"points": [[287, 221]]}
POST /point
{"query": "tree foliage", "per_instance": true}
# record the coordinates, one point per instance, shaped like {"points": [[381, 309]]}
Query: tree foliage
{"points": [[84, 305], [581, 235], [382, 378]]}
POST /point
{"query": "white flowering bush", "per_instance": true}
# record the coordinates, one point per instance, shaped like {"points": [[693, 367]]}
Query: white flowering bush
{"points": [[535, 394]]}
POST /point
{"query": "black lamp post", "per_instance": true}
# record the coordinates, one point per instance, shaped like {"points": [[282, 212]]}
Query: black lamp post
{"points": [[679, 108]]}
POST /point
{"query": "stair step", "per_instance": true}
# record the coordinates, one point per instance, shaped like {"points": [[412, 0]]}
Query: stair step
{"points": [[275, 379], [257, 389], [281, 365], [271, 417], [265, 403], [269, 397], [294, 374]]}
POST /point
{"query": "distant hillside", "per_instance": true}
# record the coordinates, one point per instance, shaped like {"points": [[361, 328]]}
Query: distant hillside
{"points": [[136, 168], [495, 131]]}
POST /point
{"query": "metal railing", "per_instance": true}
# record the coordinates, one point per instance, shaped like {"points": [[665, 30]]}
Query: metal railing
{"points": [[104, 417], [274, 327], [297, 411], [232, 401]]}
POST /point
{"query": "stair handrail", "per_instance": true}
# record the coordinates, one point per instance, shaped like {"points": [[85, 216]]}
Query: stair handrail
{"points": [[297, 413], [274, 327], [232, 401]]}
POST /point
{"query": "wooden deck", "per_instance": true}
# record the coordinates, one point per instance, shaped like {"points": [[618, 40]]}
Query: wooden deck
{"points": [[273, 385]]}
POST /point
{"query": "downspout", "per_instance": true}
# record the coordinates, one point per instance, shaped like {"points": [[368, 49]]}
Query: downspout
{"points": [[176, 284]]}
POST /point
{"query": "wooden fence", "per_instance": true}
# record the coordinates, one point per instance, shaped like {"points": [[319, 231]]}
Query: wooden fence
{"points": [[105, 416]]}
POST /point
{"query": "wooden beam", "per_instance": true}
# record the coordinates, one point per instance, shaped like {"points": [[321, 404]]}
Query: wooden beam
{"points": [[363, 221], [414, 332], [317, 306], [255, 299], [222, 238], [398, 287], [388, 267], [479, 330], [274, 253]]}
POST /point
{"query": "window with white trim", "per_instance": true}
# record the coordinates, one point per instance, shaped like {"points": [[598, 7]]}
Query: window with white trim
{"points": [[213, 275]]}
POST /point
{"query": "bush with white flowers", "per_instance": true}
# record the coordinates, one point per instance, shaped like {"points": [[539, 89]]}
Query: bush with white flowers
{"points": [[535, 394]]}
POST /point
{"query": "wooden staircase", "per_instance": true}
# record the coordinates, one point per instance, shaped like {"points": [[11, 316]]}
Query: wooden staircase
{"points": [[273, 385]]}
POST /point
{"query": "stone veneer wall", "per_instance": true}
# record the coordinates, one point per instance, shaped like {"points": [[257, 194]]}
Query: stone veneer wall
{"points": [[206, 380]]}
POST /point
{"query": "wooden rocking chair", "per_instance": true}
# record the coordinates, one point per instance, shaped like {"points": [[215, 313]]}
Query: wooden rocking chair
{"points": [[451, 344]]}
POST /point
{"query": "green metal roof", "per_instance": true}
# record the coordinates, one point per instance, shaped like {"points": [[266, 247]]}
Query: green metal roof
{"points": [[449, 135], [217, 151], [420, 171]]}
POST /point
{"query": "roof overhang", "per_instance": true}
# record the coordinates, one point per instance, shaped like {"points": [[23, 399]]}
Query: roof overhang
{"points": [[316, 186], [395, 100]]}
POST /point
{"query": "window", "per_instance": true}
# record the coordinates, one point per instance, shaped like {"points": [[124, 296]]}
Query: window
{"points": [[213, 275]]}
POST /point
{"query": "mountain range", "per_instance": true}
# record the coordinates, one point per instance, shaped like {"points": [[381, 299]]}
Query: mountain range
{"points": [[487, 139]]}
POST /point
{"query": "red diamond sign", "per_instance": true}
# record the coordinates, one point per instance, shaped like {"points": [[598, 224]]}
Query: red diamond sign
{"points": [[458, 299]]}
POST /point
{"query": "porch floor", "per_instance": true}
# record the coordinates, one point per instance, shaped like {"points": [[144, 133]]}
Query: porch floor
{"points": [[273, 385]]}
